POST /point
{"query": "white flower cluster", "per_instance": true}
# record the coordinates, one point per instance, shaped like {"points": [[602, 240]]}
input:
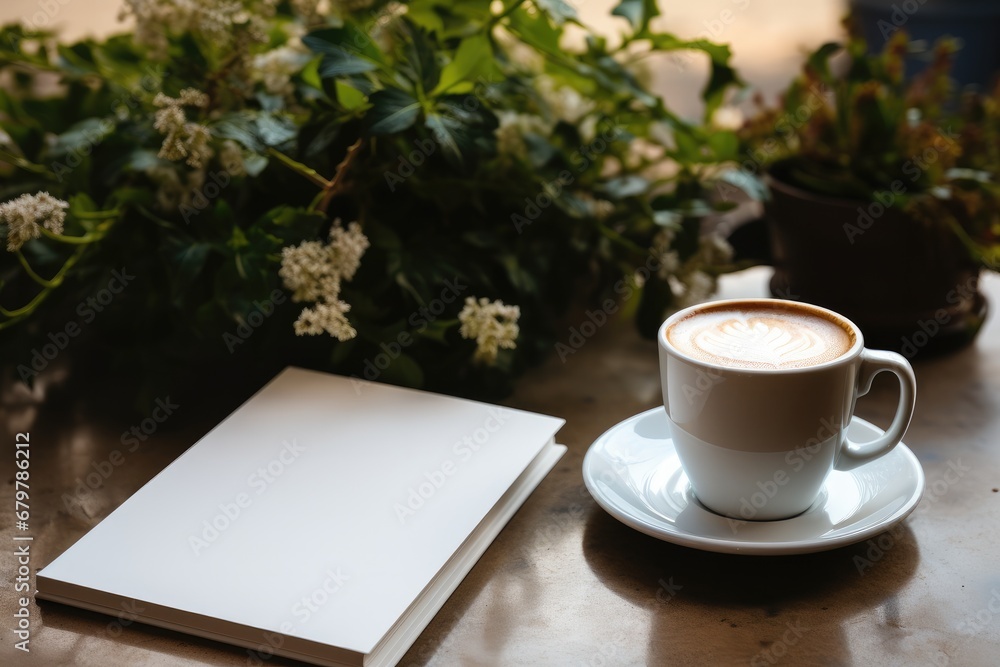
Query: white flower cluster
{"points": [[689, 283], [314, 272], [275, 68], [26, 215], [511, 130], [231, 158], [492, 325], [216, 20], [565, 103], [182, 139]]}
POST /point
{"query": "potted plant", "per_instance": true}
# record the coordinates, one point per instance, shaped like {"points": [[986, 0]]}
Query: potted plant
{"points": [[884, 197], [412, 193]]}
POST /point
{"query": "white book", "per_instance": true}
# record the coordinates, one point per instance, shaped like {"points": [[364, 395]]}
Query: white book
{"points": [[327, 519]]}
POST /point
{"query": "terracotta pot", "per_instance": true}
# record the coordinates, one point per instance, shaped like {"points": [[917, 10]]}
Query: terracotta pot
{"points": [[910, 286]]}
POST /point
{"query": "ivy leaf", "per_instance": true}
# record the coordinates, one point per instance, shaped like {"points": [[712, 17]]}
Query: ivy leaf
{"points": [[420, 60], [722, 74], [535, 30], [747, 183], [458, 129], [349, 97], [187, 261], [626, 186], [240, 127], [346, 50], [447, 132], [393, 110], [721, 78], [275, 130], [819, 61], [472, 54], [637, 12], [558, 10], [725, 145]]}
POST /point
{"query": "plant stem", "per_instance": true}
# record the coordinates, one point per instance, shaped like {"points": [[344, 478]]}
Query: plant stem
{"points": [[337, 184], [506, 12], [31, 272], [299, 168], [27, 309], [22, 163], [72, 240]]}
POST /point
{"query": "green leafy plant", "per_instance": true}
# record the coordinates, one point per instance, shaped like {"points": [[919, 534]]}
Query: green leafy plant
{"points": [[418, 190], [853, 126]]}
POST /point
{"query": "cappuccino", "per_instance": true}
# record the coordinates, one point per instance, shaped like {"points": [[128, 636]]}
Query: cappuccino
{"points": [[761, 335]]}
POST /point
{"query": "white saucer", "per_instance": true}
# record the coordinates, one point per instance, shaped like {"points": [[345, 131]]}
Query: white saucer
{"points": [[632, 471]]}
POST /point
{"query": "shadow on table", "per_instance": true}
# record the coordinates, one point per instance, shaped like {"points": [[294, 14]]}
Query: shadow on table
{"points": [[709, 607]]}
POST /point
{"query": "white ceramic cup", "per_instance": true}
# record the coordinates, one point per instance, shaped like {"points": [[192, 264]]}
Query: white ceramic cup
{"points": [[758, 443]]}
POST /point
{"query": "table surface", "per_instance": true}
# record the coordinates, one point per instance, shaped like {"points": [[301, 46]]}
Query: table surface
{"points": [[567, 584]]}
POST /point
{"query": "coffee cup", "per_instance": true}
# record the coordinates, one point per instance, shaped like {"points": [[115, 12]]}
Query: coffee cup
{"points": [[759, 394]]}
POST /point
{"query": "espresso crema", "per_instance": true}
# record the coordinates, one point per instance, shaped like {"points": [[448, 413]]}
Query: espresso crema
{"points": [[760, 336]]}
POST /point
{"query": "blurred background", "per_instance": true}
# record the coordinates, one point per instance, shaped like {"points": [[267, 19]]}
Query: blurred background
{"points": [[768, 37]]}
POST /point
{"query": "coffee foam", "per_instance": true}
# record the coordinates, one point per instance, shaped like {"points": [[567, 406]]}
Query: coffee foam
{"points": [[760, 337]]}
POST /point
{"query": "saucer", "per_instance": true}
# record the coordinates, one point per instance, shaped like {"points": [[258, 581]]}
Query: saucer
{"points": [[632, 471]]}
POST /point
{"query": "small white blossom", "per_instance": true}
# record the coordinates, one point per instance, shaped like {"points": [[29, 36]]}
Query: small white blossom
{"points": [[492, 325], [216, 20], [699, 286], [714, 250], [511, 129], [26, 215], [326, 317], [727, 118], [5, 139], [565, 103], [231, 158], [314, 272], [307, 270], [275, 68], [182, 139], [688, 281], [669, 260]]}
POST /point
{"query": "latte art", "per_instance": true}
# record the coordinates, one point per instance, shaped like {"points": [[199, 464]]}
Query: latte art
{"points": [[760, 337]]}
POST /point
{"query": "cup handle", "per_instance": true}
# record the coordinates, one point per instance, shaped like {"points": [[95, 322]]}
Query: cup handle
{"points": [[874, 362]]}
